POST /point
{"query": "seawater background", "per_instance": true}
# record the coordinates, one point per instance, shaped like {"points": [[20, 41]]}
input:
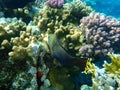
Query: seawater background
{"points": [[107, 7]]}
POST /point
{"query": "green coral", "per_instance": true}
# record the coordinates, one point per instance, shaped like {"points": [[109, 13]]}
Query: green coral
{"points": [[78, 8], [53, 19], [114, 66]]}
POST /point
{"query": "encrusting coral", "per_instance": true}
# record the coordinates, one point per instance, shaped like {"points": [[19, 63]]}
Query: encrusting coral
{"points": [[101, 35]]}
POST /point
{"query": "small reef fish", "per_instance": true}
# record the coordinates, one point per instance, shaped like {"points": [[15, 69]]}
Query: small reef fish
{"points": [[58, 52], [12, 4]]}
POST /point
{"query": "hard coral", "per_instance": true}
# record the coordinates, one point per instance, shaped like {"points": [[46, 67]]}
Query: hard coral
{"points": [[78, 8], [103, 81], [55, 3], [9, 28], [101, 33], [114, 66], [104, 78], [17, 58], [64, 25]]}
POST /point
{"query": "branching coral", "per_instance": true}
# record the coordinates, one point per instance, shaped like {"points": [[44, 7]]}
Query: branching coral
{"points": [[90, 68], [64, 25], [20, 56], [10, 27], [104, 81], [101, 33], [17, 55], [102, 78], [114, 66]]}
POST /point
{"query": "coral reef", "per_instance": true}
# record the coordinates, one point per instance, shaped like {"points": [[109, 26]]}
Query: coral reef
{"points": [[16, 56], [101, 34], [107, 77], [32, 60], [64, 25], [20, 60]]}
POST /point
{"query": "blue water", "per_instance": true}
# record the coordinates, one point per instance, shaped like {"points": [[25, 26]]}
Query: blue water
{"points": [[108, 7]]}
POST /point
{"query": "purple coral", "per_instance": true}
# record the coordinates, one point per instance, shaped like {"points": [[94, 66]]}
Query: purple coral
{"points": [[55, 3], [100, 32]]}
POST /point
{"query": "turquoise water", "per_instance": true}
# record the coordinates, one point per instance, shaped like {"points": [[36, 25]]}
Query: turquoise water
{"points": [[108, 7]]}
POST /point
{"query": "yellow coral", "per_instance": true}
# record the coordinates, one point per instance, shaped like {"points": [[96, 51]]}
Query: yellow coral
{"points": [[114, 66], [64, 25], [90, 68]]}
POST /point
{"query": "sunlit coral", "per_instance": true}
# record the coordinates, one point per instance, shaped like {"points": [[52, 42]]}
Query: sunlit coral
{"points": [[114, 66]]}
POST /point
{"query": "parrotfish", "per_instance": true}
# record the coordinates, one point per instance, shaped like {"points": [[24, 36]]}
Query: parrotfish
{"points": [[14, 3], [61, 54]]}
